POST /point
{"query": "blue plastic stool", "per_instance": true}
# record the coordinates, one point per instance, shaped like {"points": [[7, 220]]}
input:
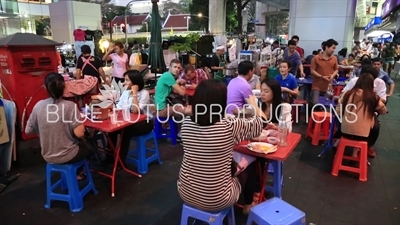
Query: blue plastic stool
{"points": [[139, 157], [275, 211], [68, 181], [170, 132], [212, 218], [275, 169]]}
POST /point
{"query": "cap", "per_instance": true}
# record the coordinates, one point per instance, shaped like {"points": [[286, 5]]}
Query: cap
{"points": [[220, 47]]}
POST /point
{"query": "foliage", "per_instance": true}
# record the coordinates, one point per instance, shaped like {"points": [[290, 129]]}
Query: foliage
{"points": [[196, 7], [174, 8], [234, 10], [145, 27], [278, 24], [108, 9], [184, 44]]}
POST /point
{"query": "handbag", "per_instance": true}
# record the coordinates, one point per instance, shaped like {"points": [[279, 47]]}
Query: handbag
{"points": [[88, 142], [174, 99]]}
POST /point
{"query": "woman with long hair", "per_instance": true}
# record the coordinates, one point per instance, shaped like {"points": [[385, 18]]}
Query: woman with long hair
{"points": [[58, 124], [120, 60], [137, 99], [272, 104], [208, 178], [357, 108]]}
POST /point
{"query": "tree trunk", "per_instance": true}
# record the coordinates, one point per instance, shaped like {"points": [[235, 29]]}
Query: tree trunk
{"points": [[239, 16]]}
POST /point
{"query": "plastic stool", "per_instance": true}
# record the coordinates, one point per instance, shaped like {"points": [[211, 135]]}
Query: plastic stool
{"points": [[295, 108], [170, 132], [362, 159], [212, 218], [141, 160], [337, 90], [275, 211], [68, 181], [321, 123], [275, 169]]}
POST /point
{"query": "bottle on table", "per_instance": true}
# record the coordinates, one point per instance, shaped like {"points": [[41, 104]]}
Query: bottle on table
{"points": [[282, 132]]}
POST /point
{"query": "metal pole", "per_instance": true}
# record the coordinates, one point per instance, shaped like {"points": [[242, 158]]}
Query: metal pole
{"points": [[126, 22], [126, 25]]}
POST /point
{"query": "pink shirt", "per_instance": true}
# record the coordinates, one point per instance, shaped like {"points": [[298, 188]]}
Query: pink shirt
{"points": [[119, 64]]}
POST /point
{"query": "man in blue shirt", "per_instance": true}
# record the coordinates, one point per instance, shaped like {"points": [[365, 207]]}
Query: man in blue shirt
{"points": [[377, 64]]}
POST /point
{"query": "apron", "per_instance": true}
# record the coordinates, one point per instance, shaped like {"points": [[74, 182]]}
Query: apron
{"points": [[219, 75]]}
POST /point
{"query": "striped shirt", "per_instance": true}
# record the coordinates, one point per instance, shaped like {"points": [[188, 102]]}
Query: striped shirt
{"points": [[205, 178]]}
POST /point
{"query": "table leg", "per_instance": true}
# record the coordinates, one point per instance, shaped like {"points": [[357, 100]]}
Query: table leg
{"points": [[329, 143], [116, 162], [263, 181]]}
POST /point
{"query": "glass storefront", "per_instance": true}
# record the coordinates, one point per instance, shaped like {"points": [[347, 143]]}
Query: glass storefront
{"points": [[9, 18]]}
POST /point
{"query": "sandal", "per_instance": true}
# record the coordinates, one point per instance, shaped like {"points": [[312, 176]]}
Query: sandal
{"points": [[80, 177], [256, 198]]}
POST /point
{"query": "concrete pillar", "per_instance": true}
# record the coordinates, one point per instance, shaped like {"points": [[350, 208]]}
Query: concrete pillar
{"points": [[261, 9], [217, 16], [315, 21]]}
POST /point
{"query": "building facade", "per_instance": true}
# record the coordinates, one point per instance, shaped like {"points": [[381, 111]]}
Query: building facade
{"points": [[22, 15]]}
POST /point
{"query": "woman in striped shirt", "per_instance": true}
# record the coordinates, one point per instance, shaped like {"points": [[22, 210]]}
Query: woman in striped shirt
{"points": [[206, 179]]}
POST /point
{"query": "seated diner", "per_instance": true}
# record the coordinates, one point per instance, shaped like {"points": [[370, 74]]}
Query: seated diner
{"points": [[239, 88], [193, 76], [358, 108], [57, 123], [208, 178]]}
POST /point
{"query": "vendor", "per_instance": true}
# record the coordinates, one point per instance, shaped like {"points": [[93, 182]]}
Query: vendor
{"points": [[90, 65], [218, 63]]}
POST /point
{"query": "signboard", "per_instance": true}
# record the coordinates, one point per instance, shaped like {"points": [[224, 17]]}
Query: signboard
{"points": [[388, 6], [375, 21]]}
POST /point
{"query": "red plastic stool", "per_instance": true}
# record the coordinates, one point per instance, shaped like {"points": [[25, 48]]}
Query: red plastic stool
{"points": [[319, 121], [362, 158], [297, 108], [337, 90]]}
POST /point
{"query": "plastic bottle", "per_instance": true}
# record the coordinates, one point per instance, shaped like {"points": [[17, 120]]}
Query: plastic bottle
{"points": [[60, 69], [282, 132]]}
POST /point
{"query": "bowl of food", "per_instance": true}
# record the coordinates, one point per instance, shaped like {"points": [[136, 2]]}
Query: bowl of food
{"points": [[263, 136], [301, 78], [272, 140]]}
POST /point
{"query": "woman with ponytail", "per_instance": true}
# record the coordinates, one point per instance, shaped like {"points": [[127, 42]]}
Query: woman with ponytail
{"points": [[58, 124]]}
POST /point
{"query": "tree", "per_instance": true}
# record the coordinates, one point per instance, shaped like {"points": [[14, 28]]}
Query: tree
{"points": [[173, 8], [196, 7], [145, 26]]}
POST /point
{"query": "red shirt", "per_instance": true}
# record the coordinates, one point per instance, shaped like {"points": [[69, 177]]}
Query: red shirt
{"points": [[300, 51], [79, 35]]}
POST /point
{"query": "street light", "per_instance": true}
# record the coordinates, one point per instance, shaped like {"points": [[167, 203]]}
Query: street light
{"points": [[200, 15], [187, 22], [126, 21]]}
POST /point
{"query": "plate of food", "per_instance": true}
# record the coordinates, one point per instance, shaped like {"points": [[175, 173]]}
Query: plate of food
{"points": [[263, 136], [262, 147]]}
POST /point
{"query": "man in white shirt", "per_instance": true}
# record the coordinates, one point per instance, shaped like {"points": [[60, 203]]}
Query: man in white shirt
{"points": [[379, 84]]}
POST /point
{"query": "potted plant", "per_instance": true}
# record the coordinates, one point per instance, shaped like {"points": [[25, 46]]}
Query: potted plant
{"points": [[186, 44]]}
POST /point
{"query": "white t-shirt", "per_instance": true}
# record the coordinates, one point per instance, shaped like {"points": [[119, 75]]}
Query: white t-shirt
{"points": [[143, 100], [379, 87], [119, 64]]}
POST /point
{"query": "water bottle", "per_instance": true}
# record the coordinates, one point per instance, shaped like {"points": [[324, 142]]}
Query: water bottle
{"points": [[60, 69], [282, 132]]}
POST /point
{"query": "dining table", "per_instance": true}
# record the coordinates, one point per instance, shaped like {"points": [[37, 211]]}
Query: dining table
{"points": [[108, 126], [280, 155]]}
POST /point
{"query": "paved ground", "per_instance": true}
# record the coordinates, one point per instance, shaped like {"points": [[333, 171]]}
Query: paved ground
{"points": [[153, 199]]}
